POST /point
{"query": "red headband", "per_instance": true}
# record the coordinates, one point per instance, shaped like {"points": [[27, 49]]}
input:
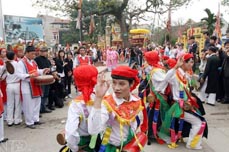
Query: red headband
{"points": [[85, 77]]}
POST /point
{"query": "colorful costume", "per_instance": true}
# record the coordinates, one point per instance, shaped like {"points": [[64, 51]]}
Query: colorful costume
{"points": [[3, 78], [157, 103], [31, 93], [117, 118], [185, 108], [2, 139], [76, 129]]}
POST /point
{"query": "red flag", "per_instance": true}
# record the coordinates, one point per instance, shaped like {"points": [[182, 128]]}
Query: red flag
{"points": [[191, 32], [92, 25], [217, 31]]}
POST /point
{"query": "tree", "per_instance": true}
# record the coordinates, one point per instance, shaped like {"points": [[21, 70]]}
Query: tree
{"points": [[122, 10], [225, 3], [210, 21]]}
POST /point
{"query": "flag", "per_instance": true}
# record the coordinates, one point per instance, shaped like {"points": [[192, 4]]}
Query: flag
{"points": [[92, 25], [168, 23], [180, 32], [191, 31], [113, 30], [217, 31], [79, 15]]}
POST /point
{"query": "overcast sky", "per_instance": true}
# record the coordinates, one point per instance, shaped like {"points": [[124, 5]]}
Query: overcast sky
{"points": [[195, 11]]}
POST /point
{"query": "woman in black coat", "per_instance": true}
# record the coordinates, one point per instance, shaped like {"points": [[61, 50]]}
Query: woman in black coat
{"points": [[68, 70], [60, 63]]}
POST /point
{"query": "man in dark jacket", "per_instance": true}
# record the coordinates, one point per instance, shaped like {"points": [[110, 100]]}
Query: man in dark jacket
{"points": [[207, 40], [193, 50], [43, 62], [211, 73], [225, 73]]}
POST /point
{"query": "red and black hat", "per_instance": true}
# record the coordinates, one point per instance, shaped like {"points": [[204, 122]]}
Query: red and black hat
{"points": [[126, 73]]}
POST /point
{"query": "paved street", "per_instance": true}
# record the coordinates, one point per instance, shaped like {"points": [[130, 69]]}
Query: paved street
{"points": [[43, 139]]}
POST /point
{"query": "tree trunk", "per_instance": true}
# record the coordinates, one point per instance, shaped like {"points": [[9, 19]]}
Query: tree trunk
{"points": [[124, 31]]}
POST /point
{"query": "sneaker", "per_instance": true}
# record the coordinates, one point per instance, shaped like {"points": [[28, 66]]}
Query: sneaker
{"points": [[4, 140], [17, 124], [70, 96], [10, 125], [195, 148]]}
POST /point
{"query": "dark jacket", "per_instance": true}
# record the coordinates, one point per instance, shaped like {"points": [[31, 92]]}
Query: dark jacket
{"points": [[225, 68], [42, 62], [212, 73], [59, 65], [193, 48], [68, 67]]}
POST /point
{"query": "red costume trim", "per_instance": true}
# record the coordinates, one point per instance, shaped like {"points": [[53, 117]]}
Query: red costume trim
{"points": [[35, 89], [83, 61], [126, 112]]}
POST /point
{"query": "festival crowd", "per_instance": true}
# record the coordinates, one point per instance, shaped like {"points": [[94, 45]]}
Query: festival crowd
{"points": [[34, 82]]}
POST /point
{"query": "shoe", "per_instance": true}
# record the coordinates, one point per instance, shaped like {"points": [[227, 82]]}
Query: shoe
{"points": [[17, 124], [210, 104], [31, 126], [38, 123], [46, 111], [40, 116], [195, 148], [51, 108], [66, 97], [70, 96], [10, 125], [225, 102], [4, 140]]}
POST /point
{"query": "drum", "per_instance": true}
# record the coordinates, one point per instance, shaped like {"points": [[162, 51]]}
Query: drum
{"points": [[44, 80], [61, 138], [133, 145], [9, 67]]}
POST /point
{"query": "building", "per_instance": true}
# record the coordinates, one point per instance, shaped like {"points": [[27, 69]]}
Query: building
{"points": [[52, 27]]}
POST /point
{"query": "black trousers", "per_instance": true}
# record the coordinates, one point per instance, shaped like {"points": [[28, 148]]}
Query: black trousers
{"points": [[67, 83], [220, 88], [226, 89]]}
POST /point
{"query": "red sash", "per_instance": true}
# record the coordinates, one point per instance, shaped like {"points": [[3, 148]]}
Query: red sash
{"points": [[1, 106], [35, 89], [3, 86], [83, 61]]}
